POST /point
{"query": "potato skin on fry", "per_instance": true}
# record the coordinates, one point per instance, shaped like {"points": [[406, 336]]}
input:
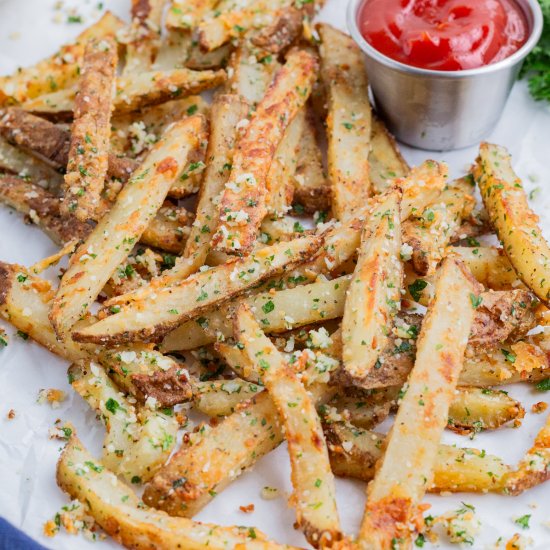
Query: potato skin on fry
{"points": [[88, 153]]}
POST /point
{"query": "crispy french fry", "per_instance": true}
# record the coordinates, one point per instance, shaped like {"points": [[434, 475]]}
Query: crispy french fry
{"points": [[348, 122], [474, 410], [24, 302], [87, 158], [250, 72], [429, 232], [60, 70], [242, 207], [216, 31], [97, 258], [226, 112], [373, 297], [534, 467], [279, 178], [311, 188], [237, 442], [156, 440], [276, 311], [385, 160], [190, 298], [515, 223], [489, 265], [136, 92], [92, 383], [119, 511], [354, 453], [398, 487], [312, 479]]}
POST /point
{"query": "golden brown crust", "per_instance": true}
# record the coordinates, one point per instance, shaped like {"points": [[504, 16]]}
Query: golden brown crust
{"points": [[243, 205], [88, 154]]}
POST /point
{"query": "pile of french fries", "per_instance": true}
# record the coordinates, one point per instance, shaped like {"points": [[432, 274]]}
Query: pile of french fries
{"points": [[240, 275]]}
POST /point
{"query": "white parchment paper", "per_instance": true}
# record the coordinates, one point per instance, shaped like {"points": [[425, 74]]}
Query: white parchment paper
{"points": [[28, 492]]}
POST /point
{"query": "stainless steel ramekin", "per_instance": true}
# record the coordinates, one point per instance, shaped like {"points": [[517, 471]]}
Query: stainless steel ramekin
{"points": [[442, 110]]}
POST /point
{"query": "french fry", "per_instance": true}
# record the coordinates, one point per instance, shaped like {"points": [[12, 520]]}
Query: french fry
{"points": [[311, 188], [398, 487], [60, 70], [226, 112], [188, 299], [348, 122], [429, 232], [242, 206], [373, 297], [156, 440], [354, 453], [515, 223], [92, 383], [17, 162], [87, 158], [385, 160], [279, 177], [120, 513], [144, 35], [97, 258], [533, 469], [489, 265], [216, 31], [474, 410], [250, 72], [276, 311], [135, 92], [312, 479], [24, 302], [237, 442]]}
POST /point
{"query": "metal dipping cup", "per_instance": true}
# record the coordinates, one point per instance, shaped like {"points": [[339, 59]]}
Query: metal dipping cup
{"points": [[442, 110]]}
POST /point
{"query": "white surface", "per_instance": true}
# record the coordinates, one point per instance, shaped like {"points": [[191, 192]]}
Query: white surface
{"points": [[29, 495]]}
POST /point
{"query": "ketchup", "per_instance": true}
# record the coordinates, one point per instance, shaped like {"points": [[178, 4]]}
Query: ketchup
{"points": [[444, 35]]}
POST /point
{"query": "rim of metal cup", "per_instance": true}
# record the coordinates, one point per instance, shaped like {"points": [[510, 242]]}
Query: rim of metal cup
{"points": [[516, 57]]}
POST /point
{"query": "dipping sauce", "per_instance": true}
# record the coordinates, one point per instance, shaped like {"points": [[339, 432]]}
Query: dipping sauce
{"points": [[444, 35]]}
